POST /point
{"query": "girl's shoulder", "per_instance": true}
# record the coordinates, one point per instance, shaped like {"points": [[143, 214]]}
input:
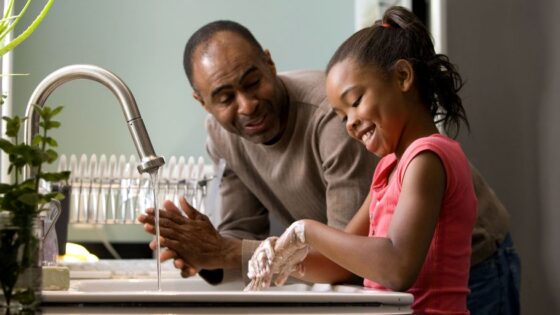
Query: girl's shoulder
{"points": [[441, 145], [449, 151]]}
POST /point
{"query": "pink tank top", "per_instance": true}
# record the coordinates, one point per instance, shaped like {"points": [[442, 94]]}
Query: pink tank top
{"points": [[442, 284]]}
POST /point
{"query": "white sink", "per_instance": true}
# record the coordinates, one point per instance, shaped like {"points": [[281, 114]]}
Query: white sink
{"points": [[195, 284], [196, 290]]}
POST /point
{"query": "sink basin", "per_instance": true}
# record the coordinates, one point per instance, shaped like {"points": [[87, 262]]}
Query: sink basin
{"points": [[196, 290], [195, 284]]}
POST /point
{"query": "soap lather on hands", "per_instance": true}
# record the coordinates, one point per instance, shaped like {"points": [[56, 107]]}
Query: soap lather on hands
{"points": [[280, 256]]}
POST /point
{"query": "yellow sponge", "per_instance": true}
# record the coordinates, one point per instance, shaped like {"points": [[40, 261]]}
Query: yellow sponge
{"points": [[56, 278]]}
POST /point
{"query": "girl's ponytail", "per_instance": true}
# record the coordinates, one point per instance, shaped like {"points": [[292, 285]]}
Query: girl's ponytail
{"points": [[445, 83]]}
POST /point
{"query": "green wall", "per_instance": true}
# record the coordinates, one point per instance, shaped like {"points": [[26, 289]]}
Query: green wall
{"points": [[142, 42]]}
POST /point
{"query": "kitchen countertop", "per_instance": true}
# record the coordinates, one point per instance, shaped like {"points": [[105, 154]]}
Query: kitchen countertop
{"points": [[195, 296], [226, 309]]}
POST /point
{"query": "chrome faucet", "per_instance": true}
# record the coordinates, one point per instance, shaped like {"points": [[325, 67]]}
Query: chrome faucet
{"points": [[149, 161]]}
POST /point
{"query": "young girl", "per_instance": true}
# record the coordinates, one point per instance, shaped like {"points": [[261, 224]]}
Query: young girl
{"points": [[413, 232]]}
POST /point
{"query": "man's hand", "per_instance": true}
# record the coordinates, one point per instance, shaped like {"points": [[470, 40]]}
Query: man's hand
{"points": [[282, 256], [190, 237], [166, 253]]}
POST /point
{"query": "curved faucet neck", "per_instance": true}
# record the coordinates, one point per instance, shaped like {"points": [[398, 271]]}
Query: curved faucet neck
{"points": [[149, 160]]}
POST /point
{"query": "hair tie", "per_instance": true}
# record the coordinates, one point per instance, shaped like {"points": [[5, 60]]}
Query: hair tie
{"points": [[385, 25]]}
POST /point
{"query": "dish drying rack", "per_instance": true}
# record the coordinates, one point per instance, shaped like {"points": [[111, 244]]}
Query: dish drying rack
{"points": [[109, 190]]}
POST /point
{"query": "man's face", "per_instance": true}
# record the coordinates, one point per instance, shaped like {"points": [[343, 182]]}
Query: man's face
{"points": [[237, 84]]}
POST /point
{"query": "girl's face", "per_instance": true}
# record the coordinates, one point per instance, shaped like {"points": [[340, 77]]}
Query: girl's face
{"points": [[373, 105]]}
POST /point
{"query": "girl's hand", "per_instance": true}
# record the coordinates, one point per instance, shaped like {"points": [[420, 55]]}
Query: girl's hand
{"points": [[260, 265], [281, 256]]}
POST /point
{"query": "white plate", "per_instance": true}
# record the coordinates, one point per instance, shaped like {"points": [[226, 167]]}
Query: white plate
{"points": [[197, 290]]}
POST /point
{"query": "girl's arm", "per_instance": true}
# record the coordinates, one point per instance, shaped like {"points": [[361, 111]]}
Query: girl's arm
{"points": [[396, 260], [320, 269]]}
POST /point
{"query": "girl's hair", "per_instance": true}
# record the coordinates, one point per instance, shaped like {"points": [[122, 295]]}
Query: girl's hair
{"points": [[401, 35]]}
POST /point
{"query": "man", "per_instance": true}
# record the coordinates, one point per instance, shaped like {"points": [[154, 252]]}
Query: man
{"points": [[287, 154]]}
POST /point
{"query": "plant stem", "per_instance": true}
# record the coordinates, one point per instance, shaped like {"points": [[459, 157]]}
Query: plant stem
{"points": [[28, 31], [39, 168], [16, 170]]}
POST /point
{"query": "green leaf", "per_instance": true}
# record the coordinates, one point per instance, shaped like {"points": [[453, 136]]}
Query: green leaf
{"points": [[12, 126], [50, 141], [28, 184], [54, 195], [56, 110], [51, 124], [29, 198], [52, 155], [43, 199], [24, 154], [4, 188], [40, 111], [6, 145], [55, 177], [37, 139]]}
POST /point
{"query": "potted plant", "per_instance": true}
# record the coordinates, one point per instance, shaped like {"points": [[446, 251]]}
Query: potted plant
{"points": [[20, 204], [22, 199]]}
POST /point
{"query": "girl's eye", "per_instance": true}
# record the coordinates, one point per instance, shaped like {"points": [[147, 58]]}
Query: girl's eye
{"points": [[344, 119], [357, 102]]}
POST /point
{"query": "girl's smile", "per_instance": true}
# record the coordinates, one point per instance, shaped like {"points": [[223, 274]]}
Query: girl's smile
{"points": [[381, 110], [367, 101], [366, 134]]}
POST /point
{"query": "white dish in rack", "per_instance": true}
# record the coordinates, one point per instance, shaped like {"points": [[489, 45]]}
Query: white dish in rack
{"points": [[196, 290]]}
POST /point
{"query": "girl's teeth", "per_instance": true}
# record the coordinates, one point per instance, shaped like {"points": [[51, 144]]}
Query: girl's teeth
{"points": [[367, 135]]}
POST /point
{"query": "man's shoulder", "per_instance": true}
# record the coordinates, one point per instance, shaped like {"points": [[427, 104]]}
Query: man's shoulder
{"points": [[217, 135], [305, 75], [212, 125], [306, 86]]}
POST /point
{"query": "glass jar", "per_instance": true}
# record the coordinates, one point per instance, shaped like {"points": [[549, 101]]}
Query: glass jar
{"points": [[20, 264]]}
